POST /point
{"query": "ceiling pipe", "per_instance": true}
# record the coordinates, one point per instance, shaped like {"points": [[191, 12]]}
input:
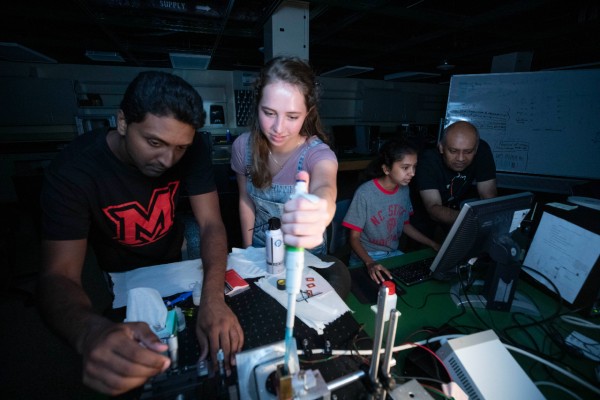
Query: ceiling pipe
{"points": [[220, 34], [116, 41]]}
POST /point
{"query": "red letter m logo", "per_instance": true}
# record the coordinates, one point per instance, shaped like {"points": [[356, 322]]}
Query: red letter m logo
{"points": [[136, 226]]}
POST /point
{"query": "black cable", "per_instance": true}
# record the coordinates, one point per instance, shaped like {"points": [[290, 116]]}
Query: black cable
{"points": [[554, 359], [535, 350], [509, 339], [549, 371], [540, 324], [352, 342], [556, 291], [424, 301], [460, 305], [463, 289], [534, 323], [462, 312]]}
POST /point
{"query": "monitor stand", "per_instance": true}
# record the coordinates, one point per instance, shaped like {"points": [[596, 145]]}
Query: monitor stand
{"points": [[520, 303]]}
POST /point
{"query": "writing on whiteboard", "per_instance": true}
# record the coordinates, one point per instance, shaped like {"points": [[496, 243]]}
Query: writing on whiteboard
{"points": [[542, 123]]}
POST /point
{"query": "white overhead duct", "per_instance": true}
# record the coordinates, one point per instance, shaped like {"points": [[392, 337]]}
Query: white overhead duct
{"points": [[512, 62], [286, 32]]}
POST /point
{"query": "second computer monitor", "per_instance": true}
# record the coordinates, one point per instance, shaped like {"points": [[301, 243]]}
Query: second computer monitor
{"points": [[478, 223]]}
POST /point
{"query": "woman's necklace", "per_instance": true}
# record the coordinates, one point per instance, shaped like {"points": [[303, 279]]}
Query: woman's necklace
{"points": [[275, 161], [288, 157]]}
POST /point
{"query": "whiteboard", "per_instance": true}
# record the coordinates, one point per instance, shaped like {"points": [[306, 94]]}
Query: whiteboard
{"points": [[544, 123]]}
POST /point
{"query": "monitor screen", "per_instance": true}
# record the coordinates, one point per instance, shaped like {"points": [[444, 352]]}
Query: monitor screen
{"points": [[478, 223], [344, 138], [566, 252]]}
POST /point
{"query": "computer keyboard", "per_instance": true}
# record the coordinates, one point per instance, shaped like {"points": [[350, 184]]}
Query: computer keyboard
{"points": [[414, 272]]}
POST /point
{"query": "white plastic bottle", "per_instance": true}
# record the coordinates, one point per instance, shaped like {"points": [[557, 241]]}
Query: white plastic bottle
{"points": [[196, 293], [274, 247]]}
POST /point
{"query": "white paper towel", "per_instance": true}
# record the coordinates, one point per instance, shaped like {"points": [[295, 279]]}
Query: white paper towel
{"points": [[251, 262], [168, 279], [173, 278], [316, 312], [145, 304]]}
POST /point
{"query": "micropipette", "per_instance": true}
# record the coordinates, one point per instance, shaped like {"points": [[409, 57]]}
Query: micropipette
{"points": [[294, 264]]}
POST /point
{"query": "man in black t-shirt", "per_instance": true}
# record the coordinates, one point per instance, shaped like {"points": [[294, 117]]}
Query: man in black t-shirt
{"points": [[119, 191], [445, 175]]}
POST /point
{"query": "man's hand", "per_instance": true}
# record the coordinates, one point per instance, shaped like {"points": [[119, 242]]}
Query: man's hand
{"points": [[120, 357], [218, 327]]}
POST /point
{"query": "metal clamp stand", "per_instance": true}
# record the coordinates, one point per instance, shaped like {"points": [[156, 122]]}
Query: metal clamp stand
{"points": [[379, 390], [254, 366]]}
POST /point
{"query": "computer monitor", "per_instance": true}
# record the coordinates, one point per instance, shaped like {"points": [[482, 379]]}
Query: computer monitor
{"points": [[355, 139], [484, 227], [564, 256], [344, 138], [478, 224]]}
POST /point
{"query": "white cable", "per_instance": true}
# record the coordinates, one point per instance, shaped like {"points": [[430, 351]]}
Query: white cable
{"points": [[394, 350], [559, 369], [446, 337], [579, 322], [557, 386]]}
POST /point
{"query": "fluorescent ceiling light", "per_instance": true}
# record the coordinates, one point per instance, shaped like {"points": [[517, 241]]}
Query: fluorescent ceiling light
{"points": [[110, 56], [16, 52], [576, 66], [409, 76], [189, 61], [347, 70]]}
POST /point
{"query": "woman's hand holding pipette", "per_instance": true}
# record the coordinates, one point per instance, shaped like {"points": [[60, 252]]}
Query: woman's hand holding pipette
{"points": [[304, 218]]}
